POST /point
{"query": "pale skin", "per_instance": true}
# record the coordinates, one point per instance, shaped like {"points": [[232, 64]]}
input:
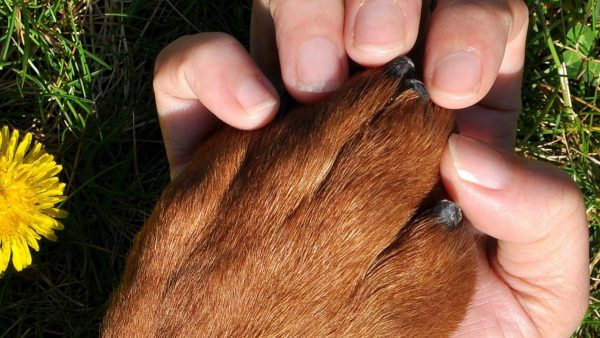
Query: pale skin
{"points": [[533, 259]]}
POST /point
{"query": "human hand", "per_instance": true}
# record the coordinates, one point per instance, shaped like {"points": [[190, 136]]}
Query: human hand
{"points": [[465, 47], [533, 276]]}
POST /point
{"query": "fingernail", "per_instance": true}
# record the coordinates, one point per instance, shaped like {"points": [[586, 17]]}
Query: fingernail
{"points": [[379, 27], [478, 163], [318, 66], [255, 96], [457, 75]]}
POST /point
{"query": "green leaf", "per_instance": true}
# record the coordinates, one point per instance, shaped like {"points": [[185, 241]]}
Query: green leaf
{"points": [[573, 61], [592, 73], [581, 38]]}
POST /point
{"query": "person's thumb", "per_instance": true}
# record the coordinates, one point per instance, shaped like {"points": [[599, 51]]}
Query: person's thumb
{"points": [[537, 215]]}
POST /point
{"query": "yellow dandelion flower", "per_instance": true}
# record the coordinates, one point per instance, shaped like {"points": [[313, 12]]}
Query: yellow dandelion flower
{"points": [[29, 191]]}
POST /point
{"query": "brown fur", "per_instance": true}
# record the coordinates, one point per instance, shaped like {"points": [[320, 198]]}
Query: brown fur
{"points": [[317, 225]]}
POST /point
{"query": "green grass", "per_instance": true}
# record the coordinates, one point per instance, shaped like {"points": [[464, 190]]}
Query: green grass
{"points": [[77, 74]]}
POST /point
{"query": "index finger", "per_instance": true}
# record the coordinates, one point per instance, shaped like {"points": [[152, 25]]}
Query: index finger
{"points": [[474, 58]]}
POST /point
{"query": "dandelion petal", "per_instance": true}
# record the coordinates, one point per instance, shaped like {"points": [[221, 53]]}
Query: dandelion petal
{"points": [[29, 192]]}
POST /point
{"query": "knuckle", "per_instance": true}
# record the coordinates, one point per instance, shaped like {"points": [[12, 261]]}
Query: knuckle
{"points": [[519, 16], [273, 8], [519, 8], [568, 207]]}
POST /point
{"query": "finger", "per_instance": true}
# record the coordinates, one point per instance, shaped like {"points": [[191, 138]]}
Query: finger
{"points": [[376, 31], [494, 119], [538, 217], [311, 46], [263, 48], [202, 74], [466, 50]]}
